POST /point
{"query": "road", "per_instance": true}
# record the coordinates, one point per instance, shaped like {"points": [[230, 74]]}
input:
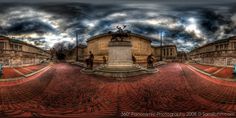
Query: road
{"points": [[63, 91]]}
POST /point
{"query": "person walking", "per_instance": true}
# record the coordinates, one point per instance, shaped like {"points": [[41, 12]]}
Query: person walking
{"points": [[91, 58]]}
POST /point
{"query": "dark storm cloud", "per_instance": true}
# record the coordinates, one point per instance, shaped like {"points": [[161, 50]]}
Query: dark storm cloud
{"points": [[186, 24], [26, 27], [66, 11], [176, 2], [211, 21]]}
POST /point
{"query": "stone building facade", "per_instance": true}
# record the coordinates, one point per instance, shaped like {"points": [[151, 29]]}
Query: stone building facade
{"points": [[169, 52], [71, 57], [219, 53], [15, 53], [141, 48]]}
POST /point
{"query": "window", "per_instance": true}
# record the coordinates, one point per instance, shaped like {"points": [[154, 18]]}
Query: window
{"points": [[221, 47], [217, 47], [16, 47], [20, 47], [11, 46], [1, 45], [226, 46], [235, 45], [164, 52], [167, 52]]}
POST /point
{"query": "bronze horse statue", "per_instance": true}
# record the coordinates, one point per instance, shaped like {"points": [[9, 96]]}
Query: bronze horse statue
{"points": [[120, 34]]}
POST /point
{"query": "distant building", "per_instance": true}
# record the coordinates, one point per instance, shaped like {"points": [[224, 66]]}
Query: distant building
{"points": [[71, 56], [17, 53], [141, 48], [181, 56], [221, 53], [169, 52]]}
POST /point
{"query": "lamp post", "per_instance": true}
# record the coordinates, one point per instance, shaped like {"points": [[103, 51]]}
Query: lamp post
{"points": [[78, 41], [161, 46], [77, 46]]}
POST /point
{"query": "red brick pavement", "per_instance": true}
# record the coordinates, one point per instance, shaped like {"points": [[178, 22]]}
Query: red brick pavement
{"points": [[35, 67], [226, 73], [212, 69], [23, 70], [201, 67], [64, 91], [9, 73], [221, 72]]}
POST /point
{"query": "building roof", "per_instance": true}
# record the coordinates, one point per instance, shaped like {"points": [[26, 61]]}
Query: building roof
{"points": [[164, 46], [81, 46], [20, 42], [215, 42], [109, 34], [4, 37]]}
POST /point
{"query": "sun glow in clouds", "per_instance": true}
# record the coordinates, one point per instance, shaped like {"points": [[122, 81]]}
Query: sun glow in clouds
{"points": [[117, 15], [192, 20], [160, 21], [193, 28], [90, 24]]}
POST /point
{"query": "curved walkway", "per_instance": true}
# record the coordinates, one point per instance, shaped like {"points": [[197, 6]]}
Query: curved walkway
{"points": [[225, 73]]}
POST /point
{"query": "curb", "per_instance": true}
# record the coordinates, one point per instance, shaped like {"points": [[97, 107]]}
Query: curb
{"points": [[24, 76], [210, 75]]}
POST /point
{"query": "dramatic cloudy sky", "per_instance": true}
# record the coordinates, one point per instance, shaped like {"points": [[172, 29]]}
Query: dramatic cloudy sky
{"points": [[187, 24]]}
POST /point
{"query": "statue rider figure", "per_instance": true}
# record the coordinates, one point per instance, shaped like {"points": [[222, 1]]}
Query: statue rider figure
{"points": [[150, 61], [119, 29], [119, 34]]}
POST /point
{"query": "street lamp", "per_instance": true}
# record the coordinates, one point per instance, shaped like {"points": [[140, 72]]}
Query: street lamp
{"points": [[77, 48], [78, 41], [161, 37]]}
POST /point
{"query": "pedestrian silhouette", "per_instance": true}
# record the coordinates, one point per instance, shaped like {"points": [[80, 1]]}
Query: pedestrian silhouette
{"points": [[150, 61], [91, 58], [104, 60]]}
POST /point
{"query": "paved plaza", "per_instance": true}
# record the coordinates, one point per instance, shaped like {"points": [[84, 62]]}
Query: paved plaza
{"points": [[62, 91]]}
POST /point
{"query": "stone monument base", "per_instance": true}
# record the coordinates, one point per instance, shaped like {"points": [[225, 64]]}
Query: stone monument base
{"points": [[120, 55], [120, 64], [119, 73]]}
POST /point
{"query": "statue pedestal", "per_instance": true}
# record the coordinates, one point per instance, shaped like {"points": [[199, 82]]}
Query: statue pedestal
{"points": [[120, 64], [120, 55]]}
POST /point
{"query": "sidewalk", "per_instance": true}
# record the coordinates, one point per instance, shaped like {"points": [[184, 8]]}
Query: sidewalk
{"points": [[218, 72], [20, 72]]}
